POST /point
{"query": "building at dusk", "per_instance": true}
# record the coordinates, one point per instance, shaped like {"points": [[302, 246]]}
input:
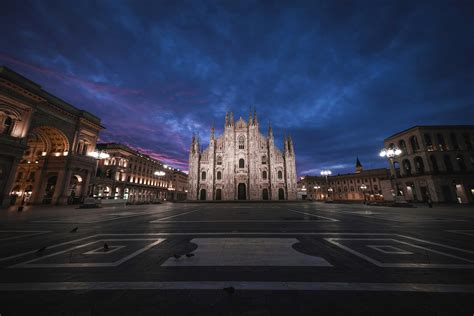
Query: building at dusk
{"points": [[45, 144], [436, 162], [361, 185], [242, 164], [138, 178]]}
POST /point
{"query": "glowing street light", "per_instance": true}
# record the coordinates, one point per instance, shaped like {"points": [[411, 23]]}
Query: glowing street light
{"points": [[391, 154], [363, 187], [325, 173], [159, 173], [98, 155]]}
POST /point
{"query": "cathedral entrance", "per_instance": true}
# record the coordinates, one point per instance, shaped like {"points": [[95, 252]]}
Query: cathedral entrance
{"points": [[281, 194], [265, 194], [241, 191], [218, 194], [203, 194]]}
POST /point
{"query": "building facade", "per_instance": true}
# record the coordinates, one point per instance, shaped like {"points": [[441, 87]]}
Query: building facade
{"points": [[44, 145], [138, 178], [242, 164], [437, 163], [362, 185]]}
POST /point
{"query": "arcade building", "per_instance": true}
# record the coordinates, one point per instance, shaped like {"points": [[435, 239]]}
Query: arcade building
{"points": [[45, 145]]}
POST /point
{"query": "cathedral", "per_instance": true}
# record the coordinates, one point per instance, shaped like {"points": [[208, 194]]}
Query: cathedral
{"points": [[242, 164]]}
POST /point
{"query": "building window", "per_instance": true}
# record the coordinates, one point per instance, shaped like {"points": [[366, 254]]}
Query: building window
{"points": [[441, 142], [7, 126], [241, 163], [414, 143], [419, 165], [280, 174], [428, 142], [241, 142], [406, 167], [203, 175], [264, 160], [403, 146], [264, 174], [219, 160], [219, 175]]}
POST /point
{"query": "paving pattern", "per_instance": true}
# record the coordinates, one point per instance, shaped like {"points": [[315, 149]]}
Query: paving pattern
{"points": [[278, 258]]}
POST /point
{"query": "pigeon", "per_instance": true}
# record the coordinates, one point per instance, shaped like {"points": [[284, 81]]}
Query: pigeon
{"points": [[189, 255], [106, 247], [176, 256], [41, 250], [74, 230], [229, 290]]}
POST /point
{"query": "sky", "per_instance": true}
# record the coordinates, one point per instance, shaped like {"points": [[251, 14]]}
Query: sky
{"points": [[338, 76]]}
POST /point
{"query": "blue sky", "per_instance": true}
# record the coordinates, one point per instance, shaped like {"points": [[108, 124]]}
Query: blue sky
{"points": [[339, 76]]}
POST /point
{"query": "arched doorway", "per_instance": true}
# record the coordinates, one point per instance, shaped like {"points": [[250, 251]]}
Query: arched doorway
{"points": [[49, 191], [242, 194], [281, 194], [265, 194], [202, 195], [218, 194]]}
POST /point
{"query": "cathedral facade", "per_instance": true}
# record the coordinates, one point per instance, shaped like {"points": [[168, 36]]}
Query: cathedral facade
{"points": [[242, 164]]}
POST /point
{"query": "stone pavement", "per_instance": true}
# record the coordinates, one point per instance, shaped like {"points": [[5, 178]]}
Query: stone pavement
{"points": [[273, 259]]}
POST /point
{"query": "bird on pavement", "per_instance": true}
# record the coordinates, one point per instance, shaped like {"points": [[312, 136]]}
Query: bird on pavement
{"points": [[106, 247], [74, 230], [176, 256], [189, 255]]}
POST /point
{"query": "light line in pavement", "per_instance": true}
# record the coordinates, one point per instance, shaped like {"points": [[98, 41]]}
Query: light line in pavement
{"points": [[241, 285]]}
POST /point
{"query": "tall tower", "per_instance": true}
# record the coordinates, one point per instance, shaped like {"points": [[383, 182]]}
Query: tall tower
{"points": [[229, 158], [254, 159], [290, 169], [359, 167], [193, 176]]}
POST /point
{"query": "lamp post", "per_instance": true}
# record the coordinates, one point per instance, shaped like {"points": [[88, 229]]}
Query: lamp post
{"points": [[391, 154], [363, 188], [317, 187], [325, 173], [98, 155]]}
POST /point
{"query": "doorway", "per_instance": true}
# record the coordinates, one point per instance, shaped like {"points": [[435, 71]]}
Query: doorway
{"points": [[242, 194], [265, 194], [218, 194], [203, 195], [281, 194]]}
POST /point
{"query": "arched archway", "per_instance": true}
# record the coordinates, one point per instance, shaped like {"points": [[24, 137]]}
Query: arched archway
{"points": [[202, 195], [218, 194], [241, 192], [265, 194], [281, 194]]}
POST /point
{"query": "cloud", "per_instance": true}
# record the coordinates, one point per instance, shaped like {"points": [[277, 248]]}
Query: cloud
{"points": [[338, 76]]}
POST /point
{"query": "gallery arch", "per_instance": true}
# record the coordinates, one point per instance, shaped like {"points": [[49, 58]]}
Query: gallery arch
{"points": [[41, 165]]}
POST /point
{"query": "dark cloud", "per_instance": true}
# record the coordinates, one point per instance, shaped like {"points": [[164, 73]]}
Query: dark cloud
{"points": [[339, 76]]}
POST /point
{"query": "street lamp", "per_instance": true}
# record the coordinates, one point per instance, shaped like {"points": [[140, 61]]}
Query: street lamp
{"points": [[98, 155], [391, 154], [363, 187], [325, 173]]}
